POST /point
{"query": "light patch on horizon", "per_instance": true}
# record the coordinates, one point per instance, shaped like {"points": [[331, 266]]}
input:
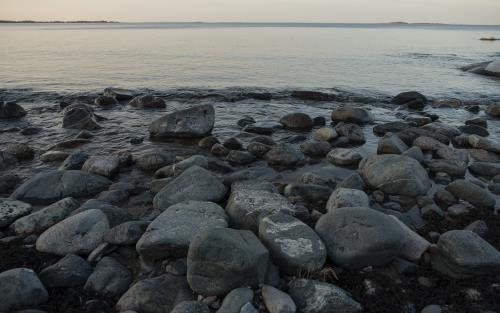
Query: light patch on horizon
{"points": [[341, 11]]}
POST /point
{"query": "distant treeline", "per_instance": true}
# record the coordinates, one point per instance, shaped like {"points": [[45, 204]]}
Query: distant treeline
{"points": [[55, 22]]}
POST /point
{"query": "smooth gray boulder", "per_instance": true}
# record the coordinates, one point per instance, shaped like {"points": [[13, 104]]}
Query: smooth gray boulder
{"points": [[79, 116], [284, 155], [127, 233], [391, 144], [346, 197], [155, 295], [170, 234], [297, 121], [245, 207], [464, 254], [147, 101], [276, 301], [395, 174], [21, 289], [191, 307], [114, 214], [11, 110], [40, 220], [235, 300], [293, 246], [11, 210], [110, 278], [312, 296], [195, 183], [344, 157], [153, 159], [78, 234], [358, 237], [222, 259], [351, 115], [472, 193], [49, 187], [107, 166], [70, 271], [194, 122]]}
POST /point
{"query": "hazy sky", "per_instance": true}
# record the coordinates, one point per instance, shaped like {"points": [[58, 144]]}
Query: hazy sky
{"points": [[443, 11]]}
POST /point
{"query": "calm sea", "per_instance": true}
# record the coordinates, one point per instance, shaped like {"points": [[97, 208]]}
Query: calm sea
{"points": [[362, 58]]}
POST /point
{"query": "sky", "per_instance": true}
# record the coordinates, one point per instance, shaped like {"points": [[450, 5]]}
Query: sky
{"points": [[335, 11]]}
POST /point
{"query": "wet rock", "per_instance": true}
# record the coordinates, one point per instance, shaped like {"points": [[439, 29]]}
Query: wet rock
{"points": [[147, 101], [240, 157], [352, 132], [208, 142], [480, 155], [125, 158], [49, 187], [246, 120], [470, 192], [297, 121], [219, 150], [351, 115], [325, 134], [442, 129], [263, 127], [418, 120], [191, 307], [11, 110], [53, 156], [483, 143], [444, 198], [313, 196], [292, 245], [345, 197], [395, 174], [155, 295], [284, 155], [110, 278], [8, 182], [74, 161], [70, 271], [412, 99], [220, 260], [107, 166], [153, 159], [276, 301], [390, 127], [105, 101], [198, 160], [344, 157], [28, 131], [20, 289], [246, 207], [319, 121], [20, 150], [493, 110], [315, 148], [170, 234], [7, 160], [195, 183], [41, 220], [258, 149], [78, 234], [353, 181], [313, 95], [79, 116], [118, 93], [316, 297], [484, 169], [127, 233], [463, 254], [474, 130], [453, 168], [359, 237], [391, 144], [10, 210], [313, 178], [479, 121], [195, 122], [232, 144]]}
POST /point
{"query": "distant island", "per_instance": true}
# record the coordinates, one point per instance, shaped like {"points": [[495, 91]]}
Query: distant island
{"points": [[56, 22]]}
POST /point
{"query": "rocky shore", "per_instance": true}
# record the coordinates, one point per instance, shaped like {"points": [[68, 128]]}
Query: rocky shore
{"points": [[306, 201]]}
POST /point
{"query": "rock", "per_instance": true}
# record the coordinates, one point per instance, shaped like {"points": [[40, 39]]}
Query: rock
{"points": [[313, 95], [478, 121], [11, 110], [344, 157], [220, 260], [433, 308], [155, 295], [115, 215], [240, 157], [79, 116], [208, 142], [7, 160], [414, 153], [110, 278], [78, 234], [53, 156], [118, 93], [483, 156], [475, 195], [127, 233], [474, 130], [70, 271], [170, 234], [418, 120], [232, 144], [74, 161], [319, 121], [315, 148], [191, 307], [453, 168], [246, 207], [194, 122], [125, 158], [483, 143], [258, 149], [49, 187], [358, 237], [235, 300], [351, 115], [153, 159], [325, 134], [284, 155], [390, 127], [313, 196], [444, 198], [441, 129], [352, 132], [493, 110], [316, 297], [219, 150], [394, 174], [463, 254], [353, 181], [105, 101], [277, 301], [479, 227], [484, 169], [28, 131], [292, 245], [195, 183], [41, 220], [8, 182], [147, 101], [246, 120], [263, 127], [20, 150], [20, 289], [412, 99], [391, 144], [345, 197], [312, 178], [208, 163], [107, 166], [11, 210], [297, 121]]}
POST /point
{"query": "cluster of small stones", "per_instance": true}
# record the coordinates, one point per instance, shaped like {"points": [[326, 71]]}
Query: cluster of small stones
{"points": [[212, 233]]}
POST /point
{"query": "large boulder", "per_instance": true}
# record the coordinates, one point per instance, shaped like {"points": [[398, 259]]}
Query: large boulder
{"points": [[170, 234], [490, 68], [79, 116], [147, 101], [194, 183], [395, 174], [10, 210], [49, 187], [21, 289], [11, 110], [222, 259], [78, 234], [351, 115], [110, 278], [195, 122], [299, 121], [277, 301], [472, 193], [70, 271], [293, 246], [464, 254], [357, 237], [107, 166]]}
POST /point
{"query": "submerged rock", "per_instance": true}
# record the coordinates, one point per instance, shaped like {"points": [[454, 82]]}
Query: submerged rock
{"points": [[11, 110], [195, 122], [147, 101], [313, 95], [105, 101]]}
